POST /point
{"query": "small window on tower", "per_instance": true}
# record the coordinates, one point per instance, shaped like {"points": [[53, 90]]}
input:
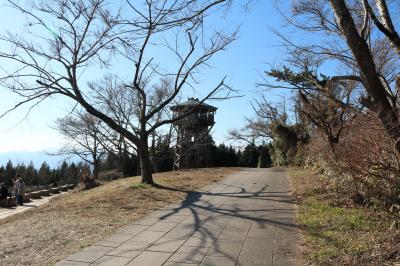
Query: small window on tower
{"points": [[192, 138]]}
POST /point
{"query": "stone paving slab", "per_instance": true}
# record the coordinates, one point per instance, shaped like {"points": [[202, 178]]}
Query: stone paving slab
{"points": [[132, 229], [146, 237], [172, 263], [112, 261], [225, 249], [150, 258], [161, 227], [246, 260], [179, 233], [90, 254], [129, 250], [246, 219], [71, 263], [195, 258], [166, 245], [215, 261], [265, 230]]}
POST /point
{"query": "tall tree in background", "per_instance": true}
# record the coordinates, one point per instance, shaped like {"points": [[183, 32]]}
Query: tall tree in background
{"points": [[82, 131], [382, 98], [44, 174], [9, 173], [250, 156], [327, 104], [72, 176], [264, 160], [384, 22], [271, 124], [267, 118], [30, 174], [365, 53], [92, 33], [63, 171], [224, 156]]}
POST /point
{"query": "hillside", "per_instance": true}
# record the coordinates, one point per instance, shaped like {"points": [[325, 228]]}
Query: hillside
{"points": [[51, 232]]}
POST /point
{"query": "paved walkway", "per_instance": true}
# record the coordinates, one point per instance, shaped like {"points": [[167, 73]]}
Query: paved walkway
{"points": [[245, 219], [34, 203]]}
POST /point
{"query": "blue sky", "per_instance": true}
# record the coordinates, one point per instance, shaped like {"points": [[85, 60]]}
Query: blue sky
{"points": [[243, 63]]}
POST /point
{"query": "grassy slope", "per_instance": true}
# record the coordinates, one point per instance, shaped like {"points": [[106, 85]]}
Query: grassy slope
{"points": [[341, 235], [51, 232]]}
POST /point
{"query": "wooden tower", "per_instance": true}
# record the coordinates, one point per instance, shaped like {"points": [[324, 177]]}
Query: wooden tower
{"points": [[193, 144]]}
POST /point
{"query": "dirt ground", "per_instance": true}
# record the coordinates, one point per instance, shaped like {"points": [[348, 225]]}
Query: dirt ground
{"points": [[48, 233]]}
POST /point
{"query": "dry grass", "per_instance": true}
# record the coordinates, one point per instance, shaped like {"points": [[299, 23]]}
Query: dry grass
{"points": [[75, 220], [337, 233]]}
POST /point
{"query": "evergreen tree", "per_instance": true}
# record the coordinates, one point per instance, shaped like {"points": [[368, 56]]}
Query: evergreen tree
{"points": [[20, 169], [249, 157], [63, 173], [223, 156], [55, 177], [44, 174], [129, 166], [233, 158], [2, 170], [239, 158], [163, 156], [72, 174], [111, 162], [9, 173], [30, 175], [265, 159]]}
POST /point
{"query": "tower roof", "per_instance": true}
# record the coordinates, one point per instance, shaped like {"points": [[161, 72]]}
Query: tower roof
{"points": [[193, 102]]}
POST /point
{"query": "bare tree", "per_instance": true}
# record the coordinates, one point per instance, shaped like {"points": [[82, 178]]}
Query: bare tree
{"points": [[263, 125], [96, 32], [330, 117], [82, 132], [384, 23], [330, 104], [382, 100], [347, 38], [272, 123]]}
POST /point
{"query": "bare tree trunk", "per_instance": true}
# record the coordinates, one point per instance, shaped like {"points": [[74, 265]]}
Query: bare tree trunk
{"points": [[96, 169], [333, 143], [380, 104], [153, 158], [95, 157], [145, 162], [153, 143], [385, 23]]}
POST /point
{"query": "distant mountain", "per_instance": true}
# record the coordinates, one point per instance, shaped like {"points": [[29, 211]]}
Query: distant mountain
{"points": [[26, 157]]}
